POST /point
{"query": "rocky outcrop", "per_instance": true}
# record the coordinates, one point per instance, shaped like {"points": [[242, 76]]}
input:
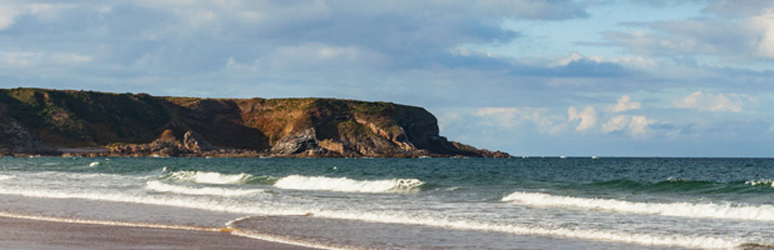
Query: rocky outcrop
{"points": [[14, 139], [302, 143], [166, 145], [34, 120]]}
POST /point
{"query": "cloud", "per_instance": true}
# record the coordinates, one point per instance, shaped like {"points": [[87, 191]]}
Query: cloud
{"points": [[10, 12], [574, 65], [714, 102], [190, 39], [587, 117], [18, 60], [736, 8], [638, 126], [624, 104], [7, 15], [747, 39], [512, 117], [764, 25], [634, 126]]}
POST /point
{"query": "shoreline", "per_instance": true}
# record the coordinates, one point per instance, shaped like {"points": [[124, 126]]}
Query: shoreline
{"points": [[30, 232]]}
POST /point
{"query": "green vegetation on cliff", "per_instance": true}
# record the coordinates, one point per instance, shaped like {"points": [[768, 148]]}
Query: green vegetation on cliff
{"points": [[284, 127], [83, 119]]}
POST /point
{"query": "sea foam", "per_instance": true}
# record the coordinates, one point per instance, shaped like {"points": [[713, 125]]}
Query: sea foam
{"points": [[675, 240], [678, 209], [208, 177], [159, 186], [192, 202], [342, 184], [760, 182]]}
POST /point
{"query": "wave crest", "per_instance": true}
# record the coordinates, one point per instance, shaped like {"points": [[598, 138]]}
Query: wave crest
{"points": [[760, 183], [343, 184], [678, 209], [216, 178]]}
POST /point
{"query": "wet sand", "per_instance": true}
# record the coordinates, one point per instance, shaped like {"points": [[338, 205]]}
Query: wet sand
{"points": [[35, 234]]}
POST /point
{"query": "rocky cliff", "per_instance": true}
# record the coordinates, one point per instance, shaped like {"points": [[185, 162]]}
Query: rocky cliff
{"points": [[40, 121]]}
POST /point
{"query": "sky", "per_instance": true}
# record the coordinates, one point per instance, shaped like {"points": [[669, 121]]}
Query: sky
{"points": [[672, 78]]}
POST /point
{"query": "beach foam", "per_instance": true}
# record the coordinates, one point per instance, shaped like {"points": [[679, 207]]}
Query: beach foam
{"points": [[673, 240], [342, 184], [679, 209], [159, 186]]}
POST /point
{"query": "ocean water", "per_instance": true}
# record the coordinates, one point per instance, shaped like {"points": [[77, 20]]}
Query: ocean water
{"points": [[533, 203]]}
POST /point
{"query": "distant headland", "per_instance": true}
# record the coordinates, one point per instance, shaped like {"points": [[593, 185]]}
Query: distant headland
{"points": [[99, 124]]}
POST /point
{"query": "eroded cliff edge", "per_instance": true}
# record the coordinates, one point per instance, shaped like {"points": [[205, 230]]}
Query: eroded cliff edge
{"points": [[56, 122]]}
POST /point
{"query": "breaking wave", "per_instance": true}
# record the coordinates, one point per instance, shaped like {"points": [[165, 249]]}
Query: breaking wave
{"points": [[678, 209], [343, 184], [216, 178], [760, 183]]}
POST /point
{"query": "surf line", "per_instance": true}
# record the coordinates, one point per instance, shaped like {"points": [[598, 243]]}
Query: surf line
{"points": [[282, 240], [113, 223]]}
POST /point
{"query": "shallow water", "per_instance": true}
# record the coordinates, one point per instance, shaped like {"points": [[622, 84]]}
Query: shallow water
{"points": [[536, 203]]}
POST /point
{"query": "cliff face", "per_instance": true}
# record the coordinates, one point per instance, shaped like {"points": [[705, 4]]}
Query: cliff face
{"points": [[36, 121]]}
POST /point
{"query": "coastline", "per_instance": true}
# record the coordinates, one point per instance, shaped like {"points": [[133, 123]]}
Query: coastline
{"points": [[29, 233]]}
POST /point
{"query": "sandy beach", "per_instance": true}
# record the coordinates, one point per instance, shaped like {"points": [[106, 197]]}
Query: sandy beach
{"points": [[36, 234]]}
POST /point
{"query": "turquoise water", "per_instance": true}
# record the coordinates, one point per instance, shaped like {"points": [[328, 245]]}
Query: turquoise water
{"points": [[533, 203]]}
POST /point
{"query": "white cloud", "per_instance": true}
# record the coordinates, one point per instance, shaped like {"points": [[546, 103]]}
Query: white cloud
{"points": [[634, 126], [31, 59], [315, 57], [587, 117], [8, 14], [447, 118], [511, 117], [764, 24], [749, 38], [616, 123], [574, 56], [624, 104], [502, 116], [638, 126], [714, 102], [633, 62], [43, 11]]}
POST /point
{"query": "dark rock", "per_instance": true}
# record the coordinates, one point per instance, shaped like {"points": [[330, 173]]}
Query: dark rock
{"points": [[16, 139], [34, 120]]}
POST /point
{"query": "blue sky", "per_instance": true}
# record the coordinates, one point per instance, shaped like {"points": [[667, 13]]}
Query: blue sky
{"points": [[530, 77]]}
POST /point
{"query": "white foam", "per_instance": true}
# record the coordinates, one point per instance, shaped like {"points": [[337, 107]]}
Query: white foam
{"points": [[5, 177], [209, 177], [208, 204], [159, 186], [194, 202], [342, 184], [678, 209], [94, 164], [760, 182], [673, 240]]}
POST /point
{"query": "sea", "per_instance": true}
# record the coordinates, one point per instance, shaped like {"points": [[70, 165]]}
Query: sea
{"points": [[427, 203]]}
